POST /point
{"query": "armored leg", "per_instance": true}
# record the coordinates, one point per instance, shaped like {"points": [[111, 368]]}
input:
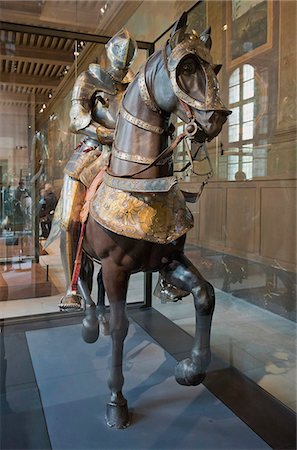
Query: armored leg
{"points": [[72, 198], [166, 292]]}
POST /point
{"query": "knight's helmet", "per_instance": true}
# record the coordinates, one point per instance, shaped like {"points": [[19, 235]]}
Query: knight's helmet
{"points": [[121, 50]]}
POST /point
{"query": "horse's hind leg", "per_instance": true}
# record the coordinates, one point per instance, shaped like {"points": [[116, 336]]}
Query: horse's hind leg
{"points": [[104, 323], [90, 325], [182, 273], [116, 285]]}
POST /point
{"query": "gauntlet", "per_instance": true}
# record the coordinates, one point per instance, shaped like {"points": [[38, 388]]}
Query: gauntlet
{"points": [[105, 135]]}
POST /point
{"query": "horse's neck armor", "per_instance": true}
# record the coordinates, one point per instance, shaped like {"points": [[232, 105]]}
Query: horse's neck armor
{"points": [[139, 122], [144, 92]]}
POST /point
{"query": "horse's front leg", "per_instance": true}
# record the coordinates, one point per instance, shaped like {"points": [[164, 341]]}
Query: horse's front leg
{"points": [[116, 285], [182, 274]]}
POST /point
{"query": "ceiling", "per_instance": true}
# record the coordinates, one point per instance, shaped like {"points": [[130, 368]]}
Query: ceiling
{"points": [[76, 15], [33, 63], [32, 66]]}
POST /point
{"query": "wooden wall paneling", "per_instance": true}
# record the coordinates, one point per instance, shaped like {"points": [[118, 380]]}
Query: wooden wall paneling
{"points": [[211, 216], [241, 220], [278, 224]]}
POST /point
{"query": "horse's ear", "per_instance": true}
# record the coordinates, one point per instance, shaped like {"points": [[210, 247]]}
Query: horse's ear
{"points": [[178, 31], [205, 37], [217, 68]]}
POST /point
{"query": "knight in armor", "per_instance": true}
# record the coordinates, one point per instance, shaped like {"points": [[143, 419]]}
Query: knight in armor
{"points": [[96, 97]]}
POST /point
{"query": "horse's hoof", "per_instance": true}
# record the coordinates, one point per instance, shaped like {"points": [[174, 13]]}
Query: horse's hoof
{"points": [[90, 331], [188, 373], [117, 416]]}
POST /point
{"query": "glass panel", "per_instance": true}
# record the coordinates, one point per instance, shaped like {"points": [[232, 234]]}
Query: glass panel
{"points": [[237, 243], [234, 78], [247, 130], [259, 167], [247, 168], [240, 243], [248, 72], [233, 133], [234, 94], [248, 89], [233, 166], [234, 118], [247, 148], [36, 144], [248, 112]]}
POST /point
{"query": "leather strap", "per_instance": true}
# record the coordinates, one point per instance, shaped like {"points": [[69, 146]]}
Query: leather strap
{"points": [[164, 154], [139, 159], [163, 184], [139, 122]]}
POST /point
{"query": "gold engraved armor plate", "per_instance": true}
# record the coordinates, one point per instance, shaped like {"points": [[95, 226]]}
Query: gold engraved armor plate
{"points": [[88, 173], [159, 217], [79, 161]]}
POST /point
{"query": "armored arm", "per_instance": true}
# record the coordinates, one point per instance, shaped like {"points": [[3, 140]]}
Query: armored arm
{"points": [[81, 120], [105, 135]]}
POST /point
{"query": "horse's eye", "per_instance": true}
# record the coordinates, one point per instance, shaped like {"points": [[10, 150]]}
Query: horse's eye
{"points": [[189, 67]]}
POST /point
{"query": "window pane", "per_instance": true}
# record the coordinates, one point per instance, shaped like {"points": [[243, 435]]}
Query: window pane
{"points": [[247, 130], [234, 94], [248, 112], [248, 72], [234, 78], [233, 159], [234, 118], [232, 169], [247, 148], [233, 133], [247, 159], [247, 168], [248, 89], [261, 152], [260, 167]]}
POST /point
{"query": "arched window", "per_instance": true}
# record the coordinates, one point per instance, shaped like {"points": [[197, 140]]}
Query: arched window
{"points": [[245, 156]]}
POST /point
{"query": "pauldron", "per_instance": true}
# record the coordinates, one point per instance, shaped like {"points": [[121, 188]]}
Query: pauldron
{"points": [[93, 80]]}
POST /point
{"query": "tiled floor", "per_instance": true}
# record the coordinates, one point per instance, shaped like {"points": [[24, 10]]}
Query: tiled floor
{"points": [[257, 342]]}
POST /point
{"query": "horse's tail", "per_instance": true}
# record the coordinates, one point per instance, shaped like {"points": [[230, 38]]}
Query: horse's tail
{"points": [[56, 225]]}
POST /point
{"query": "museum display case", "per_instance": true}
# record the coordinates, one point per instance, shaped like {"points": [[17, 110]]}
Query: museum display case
{"points": [[244, 236]]}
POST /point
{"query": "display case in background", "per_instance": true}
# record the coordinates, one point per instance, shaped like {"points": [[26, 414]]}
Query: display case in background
{"points": [[244, 238]]}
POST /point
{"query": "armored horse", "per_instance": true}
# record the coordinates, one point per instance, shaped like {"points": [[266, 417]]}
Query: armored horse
{"points": [[138, 217]]}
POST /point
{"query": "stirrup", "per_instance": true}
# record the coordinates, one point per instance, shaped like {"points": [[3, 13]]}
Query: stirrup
{"points": [[71, 302], [167, 292]]}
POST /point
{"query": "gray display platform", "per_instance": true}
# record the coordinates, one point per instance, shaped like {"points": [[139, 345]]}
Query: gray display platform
{"points": [[72, 379]]}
